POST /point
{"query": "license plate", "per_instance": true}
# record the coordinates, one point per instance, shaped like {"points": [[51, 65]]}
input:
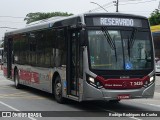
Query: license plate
{"points": [[126, 96]]}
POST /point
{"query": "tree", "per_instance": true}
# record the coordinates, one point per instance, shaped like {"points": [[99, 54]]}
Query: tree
{"points": [[154, 19], [32, 17]]}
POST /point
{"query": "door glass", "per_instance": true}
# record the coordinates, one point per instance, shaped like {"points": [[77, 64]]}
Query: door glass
{"points": [[74, 62]]}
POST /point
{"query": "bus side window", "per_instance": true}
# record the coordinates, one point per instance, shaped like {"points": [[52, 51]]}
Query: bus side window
{"points": [[41, 45], [32, 48], [60, 58], [49, 47]]}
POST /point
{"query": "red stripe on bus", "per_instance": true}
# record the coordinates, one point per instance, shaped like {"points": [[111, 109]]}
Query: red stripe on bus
{"points": [[29, 76], [125, 83]]}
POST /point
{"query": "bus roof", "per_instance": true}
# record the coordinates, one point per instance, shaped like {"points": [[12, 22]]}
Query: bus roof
{"points": [[114, 14], [48, 23]]}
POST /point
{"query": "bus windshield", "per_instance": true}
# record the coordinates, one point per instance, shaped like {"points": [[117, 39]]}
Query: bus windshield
{"points": [[111, 49]]}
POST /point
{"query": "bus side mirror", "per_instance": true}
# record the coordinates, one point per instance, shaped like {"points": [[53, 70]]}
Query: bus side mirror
{"points": [[82, 38]]}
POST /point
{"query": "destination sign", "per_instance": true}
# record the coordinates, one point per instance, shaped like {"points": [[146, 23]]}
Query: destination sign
{"points": [[114, 21]]}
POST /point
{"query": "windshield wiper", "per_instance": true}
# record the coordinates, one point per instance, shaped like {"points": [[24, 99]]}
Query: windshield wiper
{"points": [[109, 40], [131, 40], [128, 42]]}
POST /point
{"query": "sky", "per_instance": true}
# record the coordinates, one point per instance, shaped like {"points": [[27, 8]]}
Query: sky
{"points": [[13, 12]]}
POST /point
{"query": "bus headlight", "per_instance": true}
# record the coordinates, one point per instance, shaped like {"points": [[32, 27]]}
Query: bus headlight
{"points": [[92, 81], [151, 79]]}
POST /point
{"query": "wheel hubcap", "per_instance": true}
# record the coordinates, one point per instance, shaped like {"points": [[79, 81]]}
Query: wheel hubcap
{"points": [[58, 89]]}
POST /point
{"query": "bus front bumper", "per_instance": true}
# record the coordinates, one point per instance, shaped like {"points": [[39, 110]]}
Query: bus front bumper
{"points": [[111, 94], [129, 94]]}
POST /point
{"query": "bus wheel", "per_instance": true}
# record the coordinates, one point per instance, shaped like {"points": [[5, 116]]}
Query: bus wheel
{"points": [[16, 80], [58, 90]]}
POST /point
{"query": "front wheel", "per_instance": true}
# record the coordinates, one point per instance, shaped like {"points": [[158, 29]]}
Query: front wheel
{"points": [[58, 90]]}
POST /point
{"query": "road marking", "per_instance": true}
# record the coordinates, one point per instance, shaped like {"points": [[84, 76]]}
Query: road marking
{"points": [[20, 95], [13, 94], [154, 105], [8, 87], [157, 92], [9, 106], [15, 109], [25, 97], [3, 80], [149, 104]]}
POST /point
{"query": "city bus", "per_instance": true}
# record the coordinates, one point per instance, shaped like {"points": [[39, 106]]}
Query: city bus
{"points": [[91, 56]]}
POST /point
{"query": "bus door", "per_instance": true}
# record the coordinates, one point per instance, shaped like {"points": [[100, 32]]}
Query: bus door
{"points": [[9, 57], [73, 63]]}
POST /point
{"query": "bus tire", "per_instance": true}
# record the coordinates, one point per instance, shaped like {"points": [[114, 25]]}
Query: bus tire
{"points": [[16, 80], [58, 90]]}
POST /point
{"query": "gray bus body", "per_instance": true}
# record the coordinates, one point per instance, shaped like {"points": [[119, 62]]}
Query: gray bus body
{"points": [[85, 57]]}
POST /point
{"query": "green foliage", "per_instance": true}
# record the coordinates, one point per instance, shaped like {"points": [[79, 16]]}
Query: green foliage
{"points": [[154, 19], [32, 17]]}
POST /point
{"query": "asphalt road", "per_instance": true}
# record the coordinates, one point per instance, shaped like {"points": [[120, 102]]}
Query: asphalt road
{"points": [[31, 100]]}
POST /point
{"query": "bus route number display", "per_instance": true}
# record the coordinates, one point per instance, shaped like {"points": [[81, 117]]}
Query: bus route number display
{"points": [[109, 21]]}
